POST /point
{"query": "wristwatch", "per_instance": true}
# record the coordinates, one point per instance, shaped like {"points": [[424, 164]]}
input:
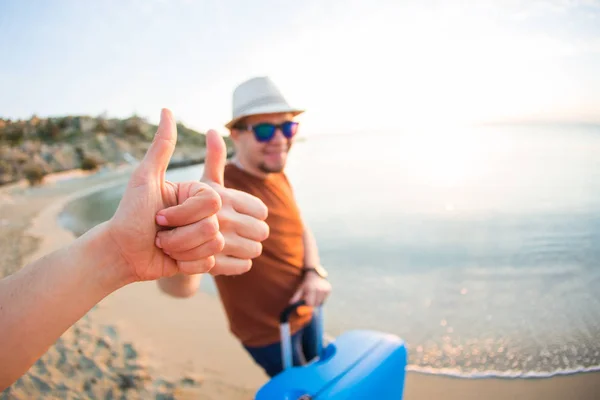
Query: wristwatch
{"points": [[318, 269]]}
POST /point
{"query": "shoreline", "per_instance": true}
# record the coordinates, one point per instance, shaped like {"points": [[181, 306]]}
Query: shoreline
{"points": [[444, 372], [581, 386], [194, 343]]}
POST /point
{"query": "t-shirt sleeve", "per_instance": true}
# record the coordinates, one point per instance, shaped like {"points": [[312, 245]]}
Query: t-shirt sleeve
{"points": [[231, 177]]}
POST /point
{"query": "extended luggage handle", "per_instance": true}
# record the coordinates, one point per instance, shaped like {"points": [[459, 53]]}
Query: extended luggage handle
{"points": [[285, 333]]}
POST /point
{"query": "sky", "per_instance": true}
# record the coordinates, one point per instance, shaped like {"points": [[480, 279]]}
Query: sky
{"points": [[353, 65]]}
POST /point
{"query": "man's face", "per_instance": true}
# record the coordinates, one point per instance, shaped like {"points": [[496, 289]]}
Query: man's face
{"points": [[269, 156]]}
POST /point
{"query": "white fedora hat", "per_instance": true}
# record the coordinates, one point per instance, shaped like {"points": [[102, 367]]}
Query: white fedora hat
{"points": [[258, 96]]}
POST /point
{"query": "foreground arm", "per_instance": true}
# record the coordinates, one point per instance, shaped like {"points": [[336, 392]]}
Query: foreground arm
{"points": [[160, 229], [38, 303]]}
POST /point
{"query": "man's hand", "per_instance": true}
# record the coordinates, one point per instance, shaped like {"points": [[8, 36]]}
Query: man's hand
{"points": [[241, 217], [162, 228], [314, 290]]}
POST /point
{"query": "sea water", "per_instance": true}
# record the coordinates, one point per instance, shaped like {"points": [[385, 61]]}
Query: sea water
{"points": [[480, 247]]}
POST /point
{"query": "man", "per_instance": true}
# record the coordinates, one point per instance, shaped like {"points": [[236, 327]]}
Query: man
{"points": [[160, 229], [288, 270]]}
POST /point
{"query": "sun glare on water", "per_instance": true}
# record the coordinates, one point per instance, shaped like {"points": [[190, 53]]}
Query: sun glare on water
{"points": [[444, 157]]}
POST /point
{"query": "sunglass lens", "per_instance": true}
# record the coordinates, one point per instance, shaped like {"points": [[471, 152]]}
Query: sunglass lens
{"points": [[289, 128], [264, 132]]}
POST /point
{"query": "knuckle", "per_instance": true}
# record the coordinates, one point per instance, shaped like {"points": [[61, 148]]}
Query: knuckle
{"points": [[260, 210], [206, 265], [210, 263], [225, 219], [166, 239], [256, 249], [207, 197], [217, 244], [209, 227], [228, 239], [228, 195], [201, 187], [212, 200], [216, 271], [264, 211], [196, 266], [217, 268], [245, 267], [264, 231], [221, 265], [229, 268]]}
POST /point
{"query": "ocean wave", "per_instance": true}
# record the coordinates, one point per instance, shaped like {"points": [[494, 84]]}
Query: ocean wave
{"points": [[510, 374]]}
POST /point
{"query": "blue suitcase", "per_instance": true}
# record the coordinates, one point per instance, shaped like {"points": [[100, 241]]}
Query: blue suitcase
{"points": [[359, 364]]}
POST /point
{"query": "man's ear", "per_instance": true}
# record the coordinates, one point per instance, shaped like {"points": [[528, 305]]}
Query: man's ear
{"points": [[234, 134]]}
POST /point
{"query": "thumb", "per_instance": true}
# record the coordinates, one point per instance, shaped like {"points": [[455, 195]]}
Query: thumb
{"points": [[158, 156], [298, 295], [216, 155]]}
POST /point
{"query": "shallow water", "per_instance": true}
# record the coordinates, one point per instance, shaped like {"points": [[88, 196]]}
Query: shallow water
{"points": [[480, 247]]}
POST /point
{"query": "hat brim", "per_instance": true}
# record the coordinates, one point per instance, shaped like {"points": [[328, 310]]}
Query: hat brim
{"points": [[266, 109]]}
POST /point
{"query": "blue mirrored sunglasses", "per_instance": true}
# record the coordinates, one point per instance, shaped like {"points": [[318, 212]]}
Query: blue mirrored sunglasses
{"points": [[265, 131]]}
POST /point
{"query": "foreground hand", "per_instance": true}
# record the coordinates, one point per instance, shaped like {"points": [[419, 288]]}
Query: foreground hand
{"points": [[162, 228], [313, 290], [241, 217]]}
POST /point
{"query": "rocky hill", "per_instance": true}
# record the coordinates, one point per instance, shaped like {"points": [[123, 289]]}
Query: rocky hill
{"points": [[33, 148]]}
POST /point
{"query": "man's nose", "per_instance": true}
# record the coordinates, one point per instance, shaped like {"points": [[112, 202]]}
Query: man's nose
{"points": [[278, 137]]}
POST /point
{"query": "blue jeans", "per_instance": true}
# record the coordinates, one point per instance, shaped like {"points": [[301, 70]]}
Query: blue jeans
{"points": [[303, 350]]}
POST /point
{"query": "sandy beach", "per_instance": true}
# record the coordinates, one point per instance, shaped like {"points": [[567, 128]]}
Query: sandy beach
{"points": [[140, 343]]}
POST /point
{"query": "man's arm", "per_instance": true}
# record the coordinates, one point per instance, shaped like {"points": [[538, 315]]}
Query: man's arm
{"points": [[180, 285], [39, 302], [311, 251], [313, 289]]}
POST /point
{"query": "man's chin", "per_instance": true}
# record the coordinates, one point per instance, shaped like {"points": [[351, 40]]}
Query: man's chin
{"points": [[272, 169]]}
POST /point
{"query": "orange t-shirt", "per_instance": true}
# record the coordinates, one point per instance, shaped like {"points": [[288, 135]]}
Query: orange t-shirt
{"points": [[253, 301]]}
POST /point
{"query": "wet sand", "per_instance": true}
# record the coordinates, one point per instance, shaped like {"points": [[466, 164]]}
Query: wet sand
{"points": [[140, 343]]}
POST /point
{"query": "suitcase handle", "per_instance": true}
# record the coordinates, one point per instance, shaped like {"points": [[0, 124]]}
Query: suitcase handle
{"points": [[286, 337]]}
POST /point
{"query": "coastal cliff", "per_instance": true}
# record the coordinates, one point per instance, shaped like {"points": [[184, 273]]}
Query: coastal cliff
{"points": [[31, 149]]}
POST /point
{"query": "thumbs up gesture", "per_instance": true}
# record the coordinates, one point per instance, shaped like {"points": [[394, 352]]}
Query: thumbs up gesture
{"points": [[163, 228], [241, 217]]}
